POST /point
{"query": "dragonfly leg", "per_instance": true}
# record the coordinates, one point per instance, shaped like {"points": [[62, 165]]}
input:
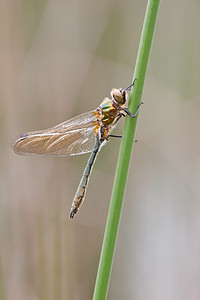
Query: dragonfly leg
{"points": [[119, 136], [132, 84], [114, 135], [129, 113]]}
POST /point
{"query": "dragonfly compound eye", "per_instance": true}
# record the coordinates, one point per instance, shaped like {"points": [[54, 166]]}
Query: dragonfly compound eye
{"points": [[119, 95]]}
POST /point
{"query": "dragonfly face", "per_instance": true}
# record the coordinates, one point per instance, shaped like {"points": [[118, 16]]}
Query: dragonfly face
{"points": [[85, 133], [120, 96]]}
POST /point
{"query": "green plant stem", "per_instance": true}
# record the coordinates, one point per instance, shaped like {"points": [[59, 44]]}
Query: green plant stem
{"points": [[110, 236]]}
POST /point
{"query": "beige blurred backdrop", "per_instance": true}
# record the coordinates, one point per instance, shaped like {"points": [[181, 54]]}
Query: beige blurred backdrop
{"points": [[61, 58]]}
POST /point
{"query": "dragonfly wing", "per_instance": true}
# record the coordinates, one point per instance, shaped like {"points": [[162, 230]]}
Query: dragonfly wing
{"points": [[75, 136]]}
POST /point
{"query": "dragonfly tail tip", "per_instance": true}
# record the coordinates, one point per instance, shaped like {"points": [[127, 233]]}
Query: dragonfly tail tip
{"points": [[72, 213]]}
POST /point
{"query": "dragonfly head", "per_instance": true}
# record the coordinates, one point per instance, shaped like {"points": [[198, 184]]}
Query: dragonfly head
{"points": [[120, 96]]}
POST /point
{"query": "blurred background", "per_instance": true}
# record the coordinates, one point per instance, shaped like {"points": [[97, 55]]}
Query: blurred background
{"points": [[59, 59]]}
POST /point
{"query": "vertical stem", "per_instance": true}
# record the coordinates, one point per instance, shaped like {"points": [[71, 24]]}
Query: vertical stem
{"points": [[110, 236]]}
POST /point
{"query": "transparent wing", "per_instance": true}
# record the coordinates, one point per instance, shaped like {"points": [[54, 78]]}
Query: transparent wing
{"points": [[75, 136]]}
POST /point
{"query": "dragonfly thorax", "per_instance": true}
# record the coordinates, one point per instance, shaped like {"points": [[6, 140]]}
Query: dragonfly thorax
{"points": [[119, 96]]}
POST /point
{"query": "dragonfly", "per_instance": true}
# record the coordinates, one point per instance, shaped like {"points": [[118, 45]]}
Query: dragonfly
{"points": [[85, 133]]}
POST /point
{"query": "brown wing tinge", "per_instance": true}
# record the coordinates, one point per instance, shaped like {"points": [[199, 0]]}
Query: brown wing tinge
{"points": [[52, 143], [72, 137]]}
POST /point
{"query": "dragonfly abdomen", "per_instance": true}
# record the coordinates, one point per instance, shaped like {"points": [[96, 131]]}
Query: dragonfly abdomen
{"points": [[81, 191]]}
